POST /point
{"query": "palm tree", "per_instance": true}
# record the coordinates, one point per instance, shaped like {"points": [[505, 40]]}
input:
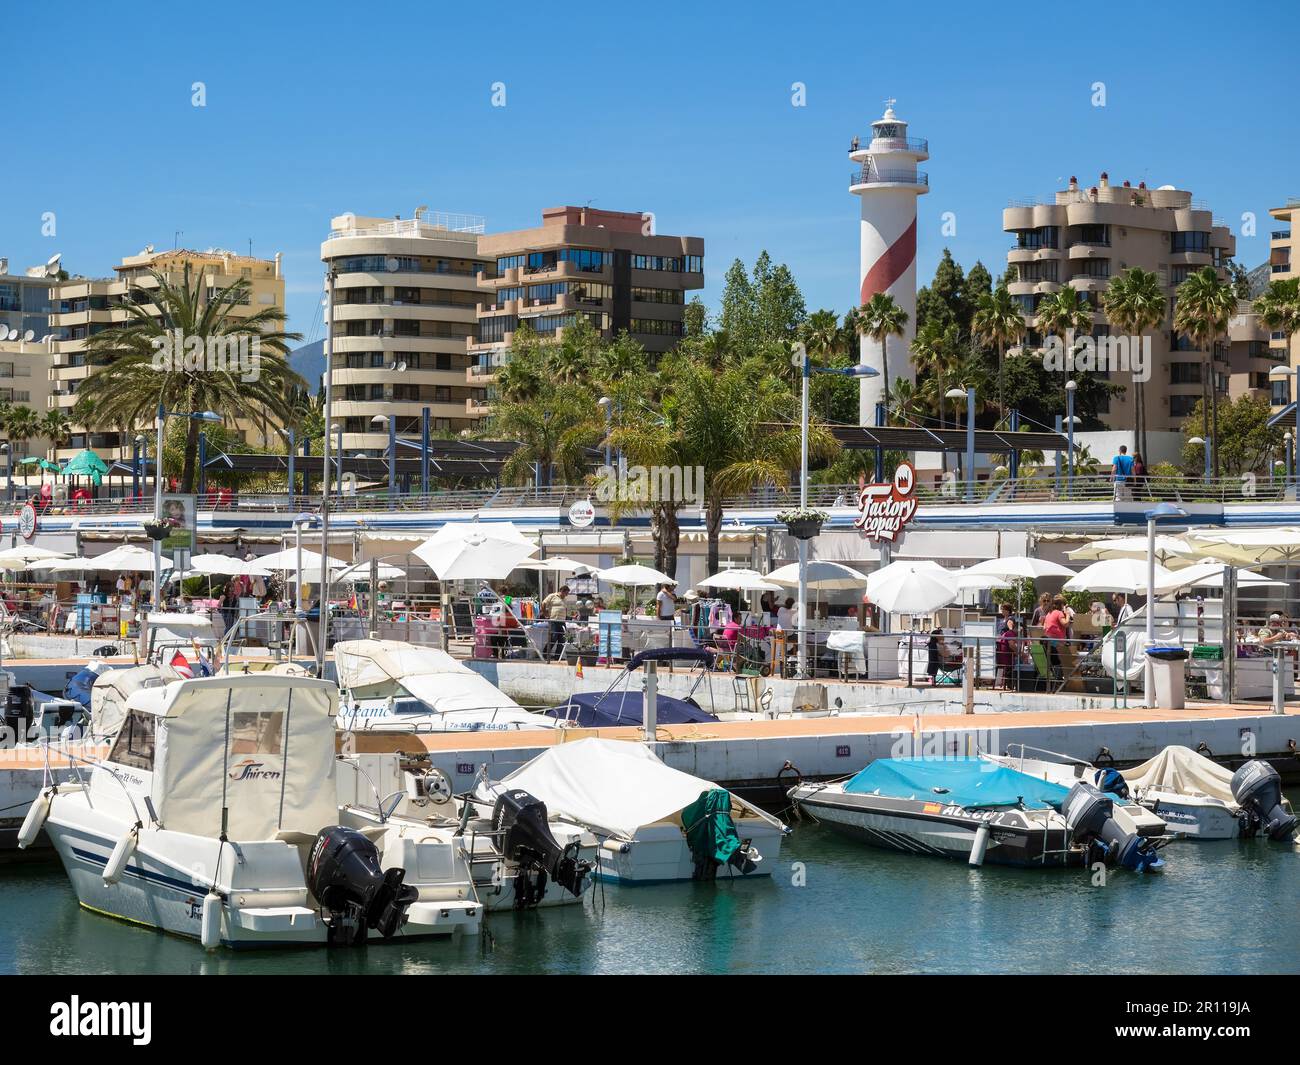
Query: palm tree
{"points": [[20, 425], [999, 320], [1135, 303], [1204, 303], [553, 433], [133, 381], [1278, 307], [936, 355], [55, 427], [881, 318], [1061, 312]]}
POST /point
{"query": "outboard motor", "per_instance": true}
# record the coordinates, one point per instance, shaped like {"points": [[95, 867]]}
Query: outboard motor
{"points": [[1089, 815], [519, 819], [1257, 787], [343, 874]]}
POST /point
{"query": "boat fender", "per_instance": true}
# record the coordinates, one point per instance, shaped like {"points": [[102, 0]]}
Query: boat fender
{"points": [[980, 845], [35, 819], [210, 928], [121, 855]]}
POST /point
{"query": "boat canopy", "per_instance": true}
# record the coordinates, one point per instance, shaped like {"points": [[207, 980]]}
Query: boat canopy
{"points": [[1182, 770], [258, 747], [370, 669], [112, 689], [612, 785], [609, 709], [971, 783]]}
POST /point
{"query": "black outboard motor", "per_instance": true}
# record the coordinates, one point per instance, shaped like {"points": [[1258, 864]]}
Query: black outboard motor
{"points": [[1257, 787], [1089, 815], [343, 873], [519, 819]]}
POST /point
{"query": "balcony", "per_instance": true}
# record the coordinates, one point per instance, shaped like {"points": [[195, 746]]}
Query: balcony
{"points": [[870, 176], [1280, 234], [918, 146]]}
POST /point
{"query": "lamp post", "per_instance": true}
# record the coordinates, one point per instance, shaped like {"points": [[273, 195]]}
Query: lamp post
{"points": [[391, 422], [331, 276], [137, 467], [807, 369], [1070, 387], [606, 404], [301, 522], [1287, 437], [1161, 511], [968, 396], [1194, 440], [160, 423]]}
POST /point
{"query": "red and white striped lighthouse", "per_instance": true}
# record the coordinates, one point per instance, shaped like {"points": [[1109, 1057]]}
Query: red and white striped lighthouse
{"points": [[887, 182]]}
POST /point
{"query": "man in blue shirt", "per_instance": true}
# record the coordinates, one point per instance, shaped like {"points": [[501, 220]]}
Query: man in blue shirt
{"points": [[1123, 471]]}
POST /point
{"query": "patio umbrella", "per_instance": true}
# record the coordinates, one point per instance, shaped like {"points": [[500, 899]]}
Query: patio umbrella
{"points": [[1171, 551], [828, 576], [1020, 567], [360, 572], [125, 559], [475, 550], [1210, 575], [287, 562], [22, 556], [66, 565], [1117, 575], [978, 582], [86, 464], [741, 580], [908, 588], [214, 565], [633, 575], [1250, 547], [555, 565]]}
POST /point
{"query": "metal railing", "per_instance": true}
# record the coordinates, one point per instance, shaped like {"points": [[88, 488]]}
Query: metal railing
{"points": [[871, 176], [894, 144]]}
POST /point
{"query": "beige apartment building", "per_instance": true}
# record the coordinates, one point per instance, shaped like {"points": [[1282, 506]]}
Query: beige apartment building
{"points": [[1086, 236], [405, 304], [81, 307], [24, 352], [609, 266], [1282, 266]]}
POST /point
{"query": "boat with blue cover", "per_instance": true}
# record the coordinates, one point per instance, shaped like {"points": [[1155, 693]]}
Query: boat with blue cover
{"points": [[977, 811]]}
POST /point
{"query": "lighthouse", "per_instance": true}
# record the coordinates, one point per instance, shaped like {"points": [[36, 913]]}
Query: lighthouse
{"points": [[887, 182]]}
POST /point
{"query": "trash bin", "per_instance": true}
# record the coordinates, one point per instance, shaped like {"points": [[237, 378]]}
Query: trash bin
{"points": [[1170, 674]]}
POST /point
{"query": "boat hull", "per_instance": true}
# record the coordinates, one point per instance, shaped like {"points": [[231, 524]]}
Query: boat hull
{"points": [[661, 855], [1193, 819], [1016, 838]]}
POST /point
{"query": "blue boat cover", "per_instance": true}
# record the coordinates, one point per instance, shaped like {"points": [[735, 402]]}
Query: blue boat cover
{"points": [[607, 709], [967, 782]]}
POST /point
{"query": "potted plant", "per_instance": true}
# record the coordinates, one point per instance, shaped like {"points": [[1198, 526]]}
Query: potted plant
{"points": [[157, 530], [802, 524]]}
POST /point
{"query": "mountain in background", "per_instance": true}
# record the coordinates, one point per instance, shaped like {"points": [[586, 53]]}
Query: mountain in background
{"points": [[309, 361]]}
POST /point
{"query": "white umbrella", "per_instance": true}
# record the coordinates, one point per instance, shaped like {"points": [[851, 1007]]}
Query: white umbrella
{"points": [[475, 550], [1171, 551], [214, 565], [286, 561], [555, 565], [125, 559], [22, 556], [978, 582], [908, 588], [633, 575], [1020, 567], [361, 572], [741, 580], [1117, 575], [1210, 575], [1249, 546], [829, 576], [68, 565]]}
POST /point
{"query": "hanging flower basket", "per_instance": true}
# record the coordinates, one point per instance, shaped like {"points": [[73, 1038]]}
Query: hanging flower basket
{"points": [[157, 530], [803, 524]]}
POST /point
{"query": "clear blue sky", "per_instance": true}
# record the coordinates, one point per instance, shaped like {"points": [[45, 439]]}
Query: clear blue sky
{"points": [[317, 109]]}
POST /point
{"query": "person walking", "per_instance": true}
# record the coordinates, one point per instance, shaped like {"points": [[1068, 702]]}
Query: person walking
{"points": [[1122, 472], [555, 608]]}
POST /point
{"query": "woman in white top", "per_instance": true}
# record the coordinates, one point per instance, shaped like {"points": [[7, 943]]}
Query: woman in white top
{"points": [[667, 603], [785, 615]]}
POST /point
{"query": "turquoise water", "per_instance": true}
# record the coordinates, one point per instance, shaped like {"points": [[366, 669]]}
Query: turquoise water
{"points": [[1228, 907]]}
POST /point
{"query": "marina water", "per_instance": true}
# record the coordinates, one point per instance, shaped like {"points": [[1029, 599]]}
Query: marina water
{"points": [[1223, 907]]}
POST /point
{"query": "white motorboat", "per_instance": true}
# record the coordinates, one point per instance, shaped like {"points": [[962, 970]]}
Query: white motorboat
{"points": [[1202, 800], [388, 684], [520, 856], [215, 816], [1067, 771], [978, 811], [655, 824]]}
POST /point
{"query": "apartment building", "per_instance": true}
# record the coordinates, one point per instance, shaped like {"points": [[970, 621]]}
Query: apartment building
{"points": [[1282, 266], [608, 266], [405, 305], [24, 350], [1086, 236], [80, 307]]}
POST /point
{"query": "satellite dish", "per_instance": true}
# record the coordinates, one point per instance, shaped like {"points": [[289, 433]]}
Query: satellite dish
{"points": [[29, 336], [13, 334], [392, 264], [148, 249], [52, 264]]}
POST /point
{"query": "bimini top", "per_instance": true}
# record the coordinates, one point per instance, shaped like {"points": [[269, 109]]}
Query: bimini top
{"points": [[610, 709], [967, 782]]}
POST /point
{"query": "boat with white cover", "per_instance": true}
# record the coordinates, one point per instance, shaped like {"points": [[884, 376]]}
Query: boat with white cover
{"points": [[215, 816], [388, 684], [655, 824]]}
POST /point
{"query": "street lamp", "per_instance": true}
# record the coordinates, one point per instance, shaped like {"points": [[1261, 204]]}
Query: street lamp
{"points": [[1285, 373], [160, 422], [1160, 512], [384, 419], [1194, 440], [807, 369], [968, 395], [1288, 440], [606, 404], [9, 470], [1070, 387]]}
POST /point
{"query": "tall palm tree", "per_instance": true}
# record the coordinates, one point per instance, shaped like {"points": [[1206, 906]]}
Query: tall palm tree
{"points": [[55, 427], [20, 425], [999, 320], [936, 355], [1060, 312], [1135, 303], [881, 318], [1278, 307], [1204, 303], [553, 433], [132, 382]]}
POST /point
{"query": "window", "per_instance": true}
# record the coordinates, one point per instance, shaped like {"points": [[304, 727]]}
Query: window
{"points": [[1181, 406], [655, 327], [688, 264], [1092, 268], [1199, 242], [257, 732], [1095, 235], [659, 295], [134, 745], [1043, 237], [1184, 373], [493, 330]]}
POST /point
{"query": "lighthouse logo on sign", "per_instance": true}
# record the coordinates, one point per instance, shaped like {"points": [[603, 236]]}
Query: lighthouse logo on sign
{"points": [[886, 508]]}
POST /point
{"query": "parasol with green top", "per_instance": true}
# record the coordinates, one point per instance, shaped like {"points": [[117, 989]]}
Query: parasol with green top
{"points": [[86, 464]]}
